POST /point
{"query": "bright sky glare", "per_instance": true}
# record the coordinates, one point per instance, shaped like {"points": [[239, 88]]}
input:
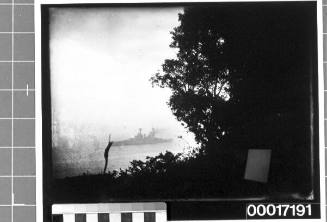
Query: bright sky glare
{"points": [[101, 61]]}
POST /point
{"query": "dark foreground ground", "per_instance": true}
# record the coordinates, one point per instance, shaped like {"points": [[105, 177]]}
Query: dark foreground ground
{"points": [[103, 188], [168, 177]]}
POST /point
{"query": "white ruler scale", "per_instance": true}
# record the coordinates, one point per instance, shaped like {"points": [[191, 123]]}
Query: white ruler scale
{"points": [[113, 212]]}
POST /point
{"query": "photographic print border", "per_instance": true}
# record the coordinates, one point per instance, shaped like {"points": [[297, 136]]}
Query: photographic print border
{"points": [[176, 207]]}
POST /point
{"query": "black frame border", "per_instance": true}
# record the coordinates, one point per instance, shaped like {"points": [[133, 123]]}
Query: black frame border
{"points": [[177, 210]]}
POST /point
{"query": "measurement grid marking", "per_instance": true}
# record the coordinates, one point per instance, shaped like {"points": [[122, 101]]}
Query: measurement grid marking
{"points": [[18, 118], [27, 90], [17, 89], [12, 110], [13, 3], [18, 176], [17, 32], [324, 9], [17, 60]]}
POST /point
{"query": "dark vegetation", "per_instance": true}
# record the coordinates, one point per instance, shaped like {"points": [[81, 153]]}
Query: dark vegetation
{"points": [[165, 177], [242, 79]]}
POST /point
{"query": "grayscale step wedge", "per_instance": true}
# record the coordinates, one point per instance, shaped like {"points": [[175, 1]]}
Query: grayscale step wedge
{"points": [[110, 212]]}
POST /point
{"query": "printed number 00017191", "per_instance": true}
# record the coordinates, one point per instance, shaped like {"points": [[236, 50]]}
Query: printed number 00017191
{"points": [[281, 210]]}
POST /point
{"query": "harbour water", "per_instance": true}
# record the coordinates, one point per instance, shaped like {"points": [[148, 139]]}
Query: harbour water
{"points": [[68, 162]]}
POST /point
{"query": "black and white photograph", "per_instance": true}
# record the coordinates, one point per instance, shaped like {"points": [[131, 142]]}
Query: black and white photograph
{"points": [[180, 102]]}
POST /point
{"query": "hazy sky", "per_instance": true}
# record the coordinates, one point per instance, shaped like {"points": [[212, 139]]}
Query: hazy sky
{"points": [[101, 61]]}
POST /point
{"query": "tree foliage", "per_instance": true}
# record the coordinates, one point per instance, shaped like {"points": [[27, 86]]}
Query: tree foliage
{"points": [[153, 165], [200, 86], [236, 73]]}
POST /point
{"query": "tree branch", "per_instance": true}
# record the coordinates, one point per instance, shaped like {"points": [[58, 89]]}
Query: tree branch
{"points": [[221, 87]]}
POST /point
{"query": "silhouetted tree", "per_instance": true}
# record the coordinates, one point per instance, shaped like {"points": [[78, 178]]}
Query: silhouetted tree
{"points": [[200, 85], [237, 74]]}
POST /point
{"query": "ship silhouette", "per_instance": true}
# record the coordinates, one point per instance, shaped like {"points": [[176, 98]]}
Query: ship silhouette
{"points": [[142, 139]]}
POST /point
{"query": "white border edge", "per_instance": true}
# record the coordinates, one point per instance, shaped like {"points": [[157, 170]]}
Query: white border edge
{"points": [[38, 112], [321, 102]]}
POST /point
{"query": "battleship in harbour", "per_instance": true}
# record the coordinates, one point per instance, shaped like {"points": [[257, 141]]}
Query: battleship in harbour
{"points": [[142, 139]]}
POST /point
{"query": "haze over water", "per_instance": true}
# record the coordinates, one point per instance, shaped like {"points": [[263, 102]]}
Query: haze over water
{"points": [[92, 161]]}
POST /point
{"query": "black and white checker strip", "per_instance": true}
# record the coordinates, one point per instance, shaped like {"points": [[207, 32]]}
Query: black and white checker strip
{"points": [[113, 212]]}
